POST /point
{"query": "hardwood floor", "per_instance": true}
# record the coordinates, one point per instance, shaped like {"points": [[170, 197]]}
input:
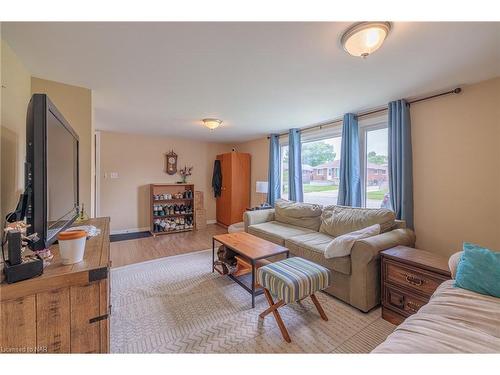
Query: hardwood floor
{"points": [[142, 249]]}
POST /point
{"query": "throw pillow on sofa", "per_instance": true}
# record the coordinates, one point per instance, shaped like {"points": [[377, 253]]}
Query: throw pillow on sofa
{"points": [[339, 220], [305, 215], [479, 270], [341, 246]]}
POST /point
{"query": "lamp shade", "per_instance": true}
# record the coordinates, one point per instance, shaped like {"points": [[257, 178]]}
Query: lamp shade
{"points": [[261, 187]]}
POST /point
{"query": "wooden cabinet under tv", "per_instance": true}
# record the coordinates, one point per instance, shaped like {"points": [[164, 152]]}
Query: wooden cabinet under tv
{"points": [[156, 198], [64, 310]]}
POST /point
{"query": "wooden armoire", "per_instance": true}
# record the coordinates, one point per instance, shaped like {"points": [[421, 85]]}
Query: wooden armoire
{"points": [[235, 193]]}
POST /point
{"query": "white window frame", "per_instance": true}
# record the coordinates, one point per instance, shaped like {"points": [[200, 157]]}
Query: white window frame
{"points": [[366, 125]]}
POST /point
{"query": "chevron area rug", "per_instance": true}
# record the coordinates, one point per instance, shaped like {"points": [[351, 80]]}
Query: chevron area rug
{"points": [[177, 305]]}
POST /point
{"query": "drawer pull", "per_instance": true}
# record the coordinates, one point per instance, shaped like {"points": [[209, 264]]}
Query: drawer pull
{"points": [[412, 306], [413, 280]]}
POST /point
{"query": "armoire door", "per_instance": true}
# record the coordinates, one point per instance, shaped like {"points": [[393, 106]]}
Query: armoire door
{"points": [[240, 186], [224, 201]]}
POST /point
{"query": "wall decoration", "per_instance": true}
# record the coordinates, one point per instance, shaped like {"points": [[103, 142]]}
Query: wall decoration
{"points": [[185, 172], [171, 168]]}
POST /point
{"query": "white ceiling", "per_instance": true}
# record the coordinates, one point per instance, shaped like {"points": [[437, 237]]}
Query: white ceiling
{"points": [[163, 78]]}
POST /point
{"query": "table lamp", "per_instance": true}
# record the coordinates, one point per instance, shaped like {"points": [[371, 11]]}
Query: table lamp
{"points": [[261, 187]]}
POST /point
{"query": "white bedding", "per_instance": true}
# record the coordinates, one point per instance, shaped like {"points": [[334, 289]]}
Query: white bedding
{"points": [[454, 321]]}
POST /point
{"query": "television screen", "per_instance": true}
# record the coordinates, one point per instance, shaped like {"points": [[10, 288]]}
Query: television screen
{"points": [[51, 171], [62, 175]]}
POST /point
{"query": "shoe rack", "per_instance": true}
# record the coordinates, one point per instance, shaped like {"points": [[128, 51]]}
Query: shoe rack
{"points": [[172, 208]]}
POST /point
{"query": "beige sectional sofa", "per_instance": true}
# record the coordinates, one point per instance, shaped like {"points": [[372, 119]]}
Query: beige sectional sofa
{"points": [[307, 229]]}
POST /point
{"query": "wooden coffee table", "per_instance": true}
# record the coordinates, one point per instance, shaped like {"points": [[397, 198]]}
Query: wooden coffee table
{"points": [[251, 250]]}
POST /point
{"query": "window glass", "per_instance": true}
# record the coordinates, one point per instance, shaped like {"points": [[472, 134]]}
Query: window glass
{"points": [[284, 171], [376, 173], [320, 170]]}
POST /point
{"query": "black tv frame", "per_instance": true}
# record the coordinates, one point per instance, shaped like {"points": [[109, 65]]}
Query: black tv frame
{"points": [[36, 167]]}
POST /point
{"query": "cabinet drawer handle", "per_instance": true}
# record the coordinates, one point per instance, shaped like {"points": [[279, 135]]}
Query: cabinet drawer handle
{"points": [[413, 280], [413, 306]]}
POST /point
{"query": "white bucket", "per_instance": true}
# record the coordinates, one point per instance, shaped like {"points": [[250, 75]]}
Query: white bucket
{"points": [[72, 246]]}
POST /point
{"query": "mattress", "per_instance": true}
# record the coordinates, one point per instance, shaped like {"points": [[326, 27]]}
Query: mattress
{"points": [[454, 321]]}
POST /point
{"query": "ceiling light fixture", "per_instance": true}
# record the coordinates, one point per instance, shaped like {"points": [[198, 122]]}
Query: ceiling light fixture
{"points": [[364, 38], [212, 123]]}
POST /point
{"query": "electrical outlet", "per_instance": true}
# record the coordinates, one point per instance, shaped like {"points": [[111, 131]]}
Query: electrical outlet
{"points": [[114, 174]]}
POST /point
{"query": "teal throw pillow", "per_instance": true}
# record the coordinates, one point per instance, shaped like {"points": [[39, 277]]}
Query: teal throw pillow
{"points": [[479, 270]]}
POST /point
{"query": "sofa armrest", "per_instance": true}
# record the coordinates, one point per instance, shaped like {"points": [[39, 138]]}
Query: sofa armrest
{"points": [[257, 217], [367, 249], [365, 266], [400, 224]]}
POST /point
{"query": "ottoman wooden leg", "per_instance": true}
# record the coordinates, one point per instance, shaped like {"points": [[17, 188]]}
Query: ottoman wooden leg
{"points": [[318, 307], [274, 309]]}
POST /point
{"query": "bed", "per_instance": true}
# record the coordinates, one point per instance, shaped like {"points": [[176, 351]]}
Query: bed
{"points": [[454, 321]]}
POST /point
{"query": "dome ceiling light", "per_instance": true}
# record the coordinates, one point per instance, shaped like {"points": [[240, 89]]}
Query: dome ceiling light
{"points": [[212, 123], [364, 38]]}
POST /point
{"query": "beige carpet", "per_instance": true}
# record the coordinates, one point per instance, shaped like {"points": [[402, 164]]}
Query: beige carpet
{"points": [[177, 305]]}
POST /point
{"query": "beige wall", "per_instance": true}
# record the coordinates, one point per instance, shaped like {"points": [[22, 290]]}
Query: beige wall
{"points": [[75, 104], [139, 161], [259, 151], [16, 94], [456, 158]]}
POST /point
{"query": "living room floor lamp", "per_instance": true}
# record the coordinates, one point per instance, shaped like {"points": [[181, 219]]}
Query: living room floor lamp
{"points": [[261, 188]]}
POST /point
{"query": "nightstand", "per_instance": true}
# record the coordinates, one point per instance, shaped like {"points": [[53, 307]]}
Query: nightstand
{"points": [[409, 277]]}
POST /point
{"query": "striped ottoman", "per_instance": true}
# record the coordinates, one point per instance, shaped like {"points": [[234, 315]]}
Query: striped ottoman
{"points": [[291, 280]]}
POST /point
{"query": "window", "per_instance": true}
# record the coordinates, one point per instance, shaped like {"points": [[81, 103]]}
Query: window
{"points": [[319, 158], [321, 165], [284, 171], [376, 165]]}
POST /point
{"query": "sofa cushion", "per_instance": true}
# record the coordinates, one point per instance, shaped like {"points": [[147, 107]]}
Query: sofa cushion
{"points": [[276, 232], [312, 246], [339, 220], [305, 215]]}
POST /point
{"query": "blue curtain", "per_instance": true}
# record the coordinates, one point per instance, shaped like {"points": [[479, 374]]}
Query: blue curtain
{"points": [[350, 173], [400, 161], [273, 178], [294, 166]]}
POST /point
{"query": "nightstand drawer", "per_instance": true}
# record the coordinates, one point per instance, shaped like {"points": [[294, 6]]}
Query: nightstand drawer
{"points": [[403, 303], [408, 277]]}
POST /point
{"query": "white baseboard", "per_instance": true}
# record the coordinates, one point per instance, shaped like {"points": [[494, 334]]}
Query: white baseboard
{"points": [[131, 230], [144, 229]]}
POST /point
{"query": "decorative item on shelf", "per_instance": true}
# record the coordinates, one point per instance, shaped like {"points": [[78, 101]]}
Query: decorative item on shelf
{"points": [[171, 168], [185, 173], [82, 215]]}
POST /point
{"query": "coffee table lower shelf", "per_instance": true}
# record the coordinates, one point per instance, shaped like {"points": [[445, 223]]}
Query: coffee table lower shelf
{"points": [[243, 278], [247, 266]]}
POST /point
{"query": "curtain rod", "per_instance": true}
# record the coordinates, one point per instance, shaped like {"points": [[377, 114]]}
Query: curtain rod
{"points": [[457, 90]]}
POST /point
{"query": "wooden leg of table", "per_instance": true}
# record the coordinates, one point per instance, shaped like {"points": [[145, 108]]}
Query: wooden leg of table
{"points": [[277, 316], [318, 307]]}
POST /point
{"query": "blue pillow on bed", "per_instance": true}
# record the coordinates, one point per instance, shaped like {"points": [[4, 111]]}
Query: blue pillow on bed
{"points": [[479, 270]]}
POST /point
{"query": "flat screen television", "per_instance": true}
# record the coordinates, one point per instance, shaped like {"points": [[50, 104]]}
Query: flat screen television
{"points": [[51, 171]]}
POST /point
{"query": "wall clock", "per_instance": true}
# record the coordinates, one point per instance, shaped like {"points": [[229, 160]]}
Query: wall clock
{"points": [[171, 162]]}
